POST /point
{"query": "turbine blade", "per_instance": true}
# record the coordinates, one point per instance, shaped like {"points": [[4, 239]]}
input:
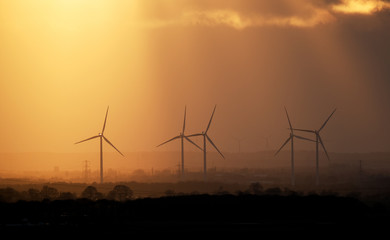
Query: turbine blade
{"points": [[112, 145], [323, 147], [168, 141], [323, 125], [87, 139], [211, 118], [105, 120], [194, 135], [184, 123], [288, 118], [193, 143], [284, 144], [303, 138], [303, 130], [214, 146]]}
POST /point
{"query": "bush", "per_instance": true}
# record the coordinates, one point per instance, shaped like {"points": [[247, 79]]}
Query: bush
{"points": [[67, 196], [255, 188], [34, 194], [170, 193], [9, 195], [91, 193], [120, 193], [221, 191], [273, 191], [49, 193]]}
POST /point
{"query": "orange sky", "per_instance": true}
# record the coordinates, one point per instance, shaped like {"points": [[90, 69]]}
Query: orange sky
{"points": [[63, 62]]}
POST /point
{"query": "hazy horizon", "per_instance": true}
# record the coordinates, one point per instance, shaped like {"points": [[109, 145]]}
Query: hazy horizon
{"points": [[193, 160]]}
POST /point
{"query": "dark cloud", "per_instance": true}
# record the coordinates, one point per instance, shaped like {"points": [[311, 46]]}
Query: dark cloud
{"points": [[247, 7], [242, 14]]}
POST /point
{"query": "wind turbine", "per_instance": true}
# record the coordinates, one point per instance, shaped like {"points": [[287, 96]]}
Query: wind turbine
{"points": [[182, 137], [291, 138], [318, 140], [205, 139], [238, 142], [101, 136]]}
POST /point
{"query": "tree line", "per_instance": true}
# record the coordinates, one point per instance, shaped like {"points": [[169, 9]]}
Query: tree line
{"points": [[118, 193], [122, 192]]}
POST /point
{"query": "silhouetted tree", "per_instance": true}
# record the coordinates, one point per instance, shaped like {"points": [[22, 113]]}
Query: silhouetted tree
{"points": [[120, 193], [240, 193], [34, 194], [111, 195], [328, 193], [9, 195], [67, 196], [91, 193], [273, 191], [221, 191], [356, 195], [289, 192], [255, 188], [312, 193], [170, 193], [194, 193], [49, 193]]}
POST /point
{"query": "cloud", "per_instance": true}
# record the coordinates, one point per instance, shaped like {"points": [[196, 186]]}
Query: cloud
{"points": [[360, 6], [242, 14], [239, 21]]}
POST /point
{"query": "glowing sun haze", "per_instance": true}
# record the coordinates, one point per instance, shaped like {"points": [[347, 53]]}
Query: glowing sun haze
{"points": [[361, 6], [63, 62]]}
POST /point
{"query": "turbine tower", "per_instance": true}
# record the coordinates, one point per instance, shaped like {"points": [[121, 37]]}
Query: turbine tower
{"points": [[182, 137], [101, 136], [318, 140], [239, 140], [205, 139], [291, 138]]}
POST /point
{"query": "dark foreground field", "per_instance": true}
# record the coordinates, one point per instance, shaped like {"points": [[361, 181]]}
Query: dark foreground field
{"points": [[193, 215]]}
